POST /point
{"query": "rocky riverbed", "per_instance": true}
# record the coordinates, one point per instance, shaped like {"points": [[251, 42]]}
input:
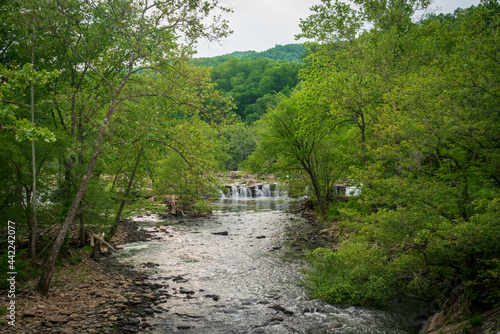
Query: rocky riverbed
{"points": [[90, 296]]}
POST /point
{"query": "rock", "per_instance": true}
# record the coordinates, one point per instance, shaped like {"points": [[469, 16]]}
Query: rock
{"points": [[281, 309], [150, 265], [57, 319], [29, 313], [214, 297], [261, 237], [221, 233], [48, 324], [183, 327], [434, 323], [149, 296], [121, 299]]}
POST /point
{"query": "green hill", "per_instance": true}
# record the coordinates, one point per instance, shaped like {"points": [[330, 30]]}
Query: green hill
{"points": [[288, 53]]}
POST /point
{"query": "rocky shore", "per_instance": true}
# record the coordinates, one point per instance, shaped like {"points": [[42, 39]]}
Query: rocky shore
{"points": [[94, 295]]}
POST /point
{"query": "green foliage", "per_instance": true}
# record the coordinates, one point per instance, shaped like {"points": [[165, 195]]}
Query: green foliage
{"points": [[14, 82], [106, 90], [422, 99], [475, 320], [74, 260], [353, 274], [254, 84], [22, 269], [288, 53], [189, 173], [239, 144]]}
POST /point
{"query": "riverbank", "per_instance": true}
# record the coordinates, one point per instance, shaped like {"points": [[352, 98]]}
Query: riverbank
{"points": [[89, 295]]}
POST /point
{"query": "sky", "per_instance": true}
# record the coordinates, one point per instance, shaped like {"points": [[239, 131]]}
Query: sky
{"points": [[259, 25]]}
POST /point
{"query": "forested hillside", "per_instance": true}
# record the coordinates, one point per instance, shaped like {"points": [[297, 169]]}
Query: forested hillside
{"points": [[288, 53], [255, 84], [253, 79], [409, 113]]}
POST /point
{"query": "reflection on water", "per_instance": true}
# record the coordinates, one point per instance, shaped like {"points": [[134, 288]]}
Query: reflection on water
{"points": [[236, 272]]}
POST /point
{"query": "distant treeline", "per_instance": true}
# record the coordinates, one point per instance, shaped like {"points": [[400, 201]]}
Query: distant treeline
{"points": [[288, 53]]}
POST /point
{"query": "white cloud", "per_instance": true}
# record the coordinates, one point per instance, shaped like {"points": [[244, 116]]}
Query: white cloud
{"points": [[261, 24]]}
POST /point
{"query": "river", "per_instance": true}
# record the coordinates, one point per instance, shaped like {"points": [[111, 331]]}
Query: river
{"points": [[239, 271]]}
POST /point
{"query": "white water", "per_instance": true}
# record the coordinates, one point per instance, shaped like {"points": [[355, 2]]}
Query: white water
{"points": [[256, 191]]}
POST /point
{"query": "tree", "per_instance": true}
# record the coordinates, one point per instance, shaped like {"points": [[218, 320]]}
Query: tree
{"points": [[299, 139], [424, 99], [142, 35]]}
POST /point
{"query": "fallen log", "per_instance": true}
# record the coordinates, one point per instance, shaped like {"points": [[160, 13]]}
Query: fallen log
{"points": [[92, 235]]}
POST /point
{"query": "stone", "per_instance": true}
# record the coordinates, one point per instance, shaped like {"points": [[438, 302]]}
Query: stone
{"points": [[221, 233], [48, 324], [281, 309], [29, 313], [121, 299], [214, 297], [57, 318]]}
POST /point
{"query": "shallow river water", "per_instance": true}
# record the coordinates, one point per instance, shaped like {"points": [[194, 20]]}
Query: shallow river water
{"points": [[248, 281]]}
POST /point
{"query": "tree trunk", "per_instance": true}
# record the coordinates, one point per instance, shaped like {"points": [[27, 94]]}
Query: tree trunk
{"points": [[114, 228], [43, 285], [34, 224]]}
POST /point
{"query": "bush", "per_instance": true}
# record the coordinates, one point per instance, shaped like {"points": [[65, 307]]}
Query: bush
{"points": [[20, 268], [354, 274]]}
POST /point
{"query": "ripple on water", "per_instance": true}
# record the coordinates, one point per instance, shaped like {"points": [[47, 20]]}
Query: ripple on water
{"points": [[248, 281]]}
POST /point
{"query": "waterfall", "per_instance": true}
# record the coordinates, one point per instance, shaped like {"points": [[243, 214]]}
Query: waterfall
{"points": [[235, 192], [244, 192], [255, 191], [266, 190]]}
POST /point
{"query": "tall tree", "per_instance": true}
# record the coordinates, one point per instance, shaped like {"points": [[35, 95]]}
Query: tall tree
{"points": [[145, 35], [427, 93]]}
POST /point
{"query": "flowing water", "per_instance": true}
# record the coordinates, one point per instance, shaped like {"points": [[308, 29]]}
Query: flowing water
{"points": [[239, 271]]}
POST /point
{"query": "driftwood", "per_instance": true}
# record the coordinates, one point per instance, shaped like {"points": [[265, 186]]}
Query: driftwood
{"points": [[102, 243]]}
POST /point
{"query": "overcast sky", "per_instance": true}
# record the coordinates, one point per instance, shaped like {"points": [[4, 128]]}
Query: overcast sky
{"points": [[259, 25]]}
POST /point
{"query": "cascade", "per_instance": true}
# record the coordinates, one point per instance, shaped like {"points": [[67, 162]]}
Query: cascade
{"points": [[259, 192], [244, 192], [234, 192], [266, 190], [256, 191]]}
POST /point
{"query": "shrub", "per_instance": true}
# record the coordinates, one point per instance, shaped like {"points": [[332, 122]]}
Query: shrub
{"points": [[354, 274]]}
